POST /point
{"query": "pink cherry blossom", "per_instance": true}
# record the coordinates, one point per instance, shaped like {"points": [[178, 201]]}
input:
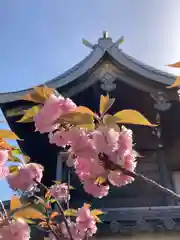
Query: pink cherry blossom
{"points": [[4, 172], [53, 108], [73, 229], [125, 141], [60, 138], [81, 144], [3, 156], [48, 114], [125, 148], [130, 161], [25, 178], [118, 179], [67, 106], [16, 230], [88, 168], [96, 190], [85, 222], [50, 237], [60, 192], [105, 139]]}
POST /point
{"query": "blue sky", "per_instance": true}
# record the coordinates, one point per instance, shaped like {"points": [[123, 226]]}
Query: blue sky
{"points": [[41, 39]]}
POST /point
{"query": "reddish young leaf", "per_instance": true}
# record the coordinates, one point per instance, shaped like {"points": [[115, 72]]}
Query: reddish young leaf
{"points": [[53, 215], [175, 65], [175, 84], [4, 145], [8, 134]]}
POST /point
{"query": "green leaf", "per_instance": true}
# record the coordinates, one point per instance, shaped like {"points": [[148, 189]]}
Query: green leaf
{"points": [[105, 103], [52, 200], [100, 180], [13, 169], [83, 109], [16, 151], [121, 40], [78, 119], [29, 114], [96, 212], [97, 219], [132, 117], [39, 94], [15, 112], [14, 159], [111, 121], [40, 207], [26, 211], [89, 126], [28, 221], [57, 182], [70, 212]]}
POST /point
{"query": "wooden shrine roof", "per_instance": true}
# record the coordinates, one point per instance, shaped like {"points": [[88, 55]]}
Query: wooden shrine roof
{"points": [[105, 46]]}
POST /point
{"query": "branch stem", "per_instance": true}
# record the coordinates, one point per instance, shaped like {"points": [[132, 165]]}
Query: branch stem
{"points": [[61, 212], [151, 182], [53, 232], [64, 219]]}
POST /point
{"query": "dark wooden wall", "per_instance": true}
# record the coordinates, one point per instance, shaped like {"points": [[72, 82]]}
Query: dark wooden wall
{"points": [[136, 194]]}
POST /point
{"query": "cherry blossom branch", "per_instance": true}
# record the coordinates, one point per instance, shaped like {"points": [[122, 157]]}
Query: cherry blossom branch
{"points": [[64, 219], [113, 166], [3, 208], [53, 232], [60, 210], [150, 181]]}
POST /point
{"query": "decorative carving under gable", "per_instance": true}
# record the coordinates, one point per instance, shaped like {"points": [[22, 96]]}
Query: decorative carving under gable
{"points": [[157, 130], [107, 74], [162, 102], [108, 82]]}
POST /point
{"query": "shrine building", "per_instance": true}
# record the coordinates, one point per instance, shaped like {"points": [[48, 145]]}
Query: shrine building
{"points": [[136, 211]]}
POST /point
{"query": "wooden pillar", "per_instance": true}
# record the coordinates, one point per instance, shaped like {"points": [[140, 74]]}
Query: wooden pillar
{"points": [[59, 167], [165, 175]]}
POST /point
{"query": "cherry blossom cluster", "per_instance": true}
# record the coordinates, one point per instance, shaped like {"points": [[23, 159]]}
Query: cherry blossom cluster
{"points": [[15, 230], [83, 226], [95, 154], [60, 192], [100, 156], [4, 171], [27, 176]]}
